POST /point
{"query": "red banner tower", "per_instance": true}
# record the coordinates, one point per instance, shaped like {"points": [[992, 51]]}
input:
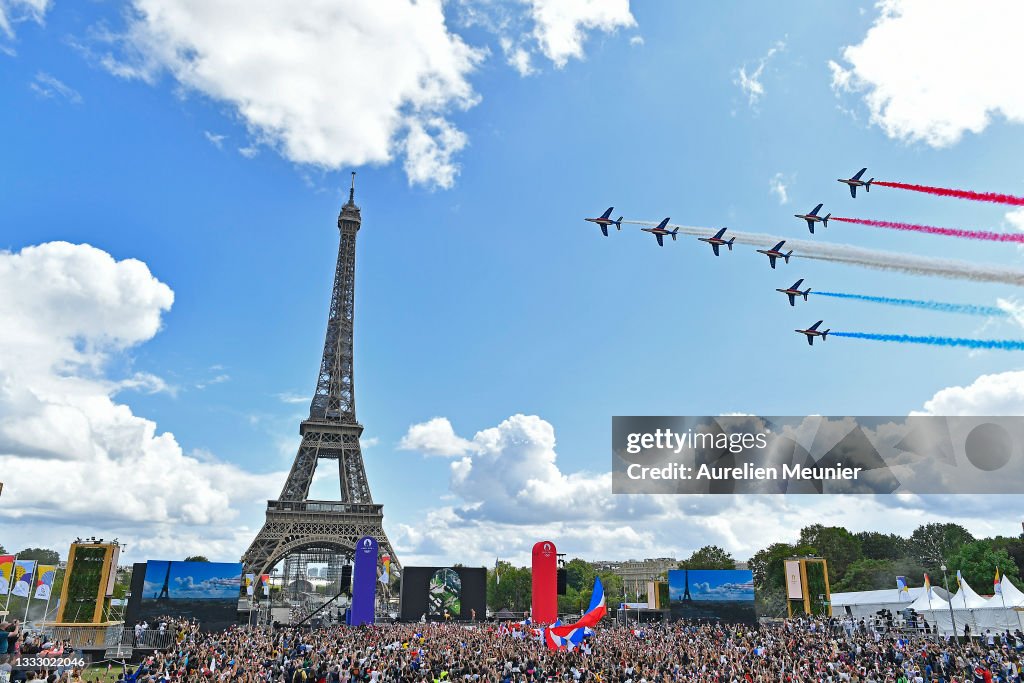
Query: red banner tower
{"points": [[545, 583]]}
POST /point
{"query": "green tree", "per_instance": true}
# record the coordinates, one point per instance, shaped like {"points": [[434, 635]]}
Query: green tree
{"points": [[40, 555], [837, 545], [977, 562], [513, 591], [579, 574], [1014, 547], [709, 557], [770, 577], [878, 546], [197, 558], [868, 574], [935, 544]]}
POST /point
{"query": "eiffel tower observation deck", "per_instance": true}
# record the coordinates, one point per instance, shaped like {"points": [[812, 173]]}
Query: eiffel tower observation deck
{"points": [[299, 531]]}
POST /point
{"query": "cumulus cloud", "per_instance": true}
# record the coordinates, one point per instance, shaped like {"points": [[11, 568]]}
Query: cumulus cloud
{"points": [[996, 394], [66, 311], [435, 437], [554, 29], [750, 82], [325, 82], [928, 69]]}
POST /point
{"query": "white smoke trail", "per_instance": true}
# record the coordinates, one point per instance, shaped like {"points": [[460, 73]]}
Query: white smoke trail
{"points": [[867, 258]]}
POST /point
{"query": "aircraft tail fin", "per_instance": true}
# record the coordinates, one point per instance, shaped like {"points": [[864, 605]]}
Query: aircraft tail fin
{"points": [[867, 185], [824, 221], [618, 223], [674, 234], [824, 334], [806, 293], [729, 243], [787, 255]]}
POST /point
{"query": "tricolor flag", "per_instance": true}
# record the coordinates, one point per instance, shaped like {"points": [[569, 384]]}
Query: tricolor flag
{"points": [[23, 570], [6, 568], [44, 581], [570, 636], [997, 584]]}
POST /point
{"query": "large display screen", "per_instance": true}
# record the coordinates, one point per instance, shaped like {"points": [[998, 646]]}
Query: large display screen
{"points": [[712, 594], [429, 591], [207, 591]]}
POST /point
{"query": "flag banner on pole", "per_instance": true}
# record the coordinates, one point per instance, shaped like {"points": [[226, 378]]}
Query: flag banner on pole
{"points": [[959, 580], [265, 582], [250, 581], [23, 570], [385, 575], [997, 584], [44, 581], [901, 586], [497, 576], [927, 586], [6, 569]]}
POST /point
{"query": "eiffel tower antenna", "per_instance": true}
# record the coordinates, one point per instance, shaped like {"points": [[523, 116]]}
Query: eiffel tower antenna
{"points": [[304, 530]]}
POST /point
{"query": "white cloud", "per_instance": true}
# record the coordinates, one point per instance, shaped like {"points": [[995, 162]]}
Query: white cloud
{"points": [[750, 83], [288, 397], [554, 29], [66, 311], [16, 11], [929, 70], [325, 82], [560, 26], [249, 152], [996, 395], [216, 379], [777, 185], [217, 140], [435, 437], [51, 87]]}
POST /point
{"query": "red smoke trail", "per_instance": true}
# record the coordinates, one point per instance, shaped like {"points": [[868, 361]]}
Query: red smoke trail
{"points": [[932, 230], [993, 197]]}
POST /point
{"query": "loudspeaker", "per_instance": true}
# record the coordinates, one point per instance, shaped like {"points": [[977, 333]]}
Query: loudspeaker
{"points": [[562, 581], [346, 579]]}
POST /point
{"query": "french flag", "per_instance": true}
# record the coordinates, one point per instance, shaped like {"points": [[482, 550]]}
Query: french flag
{"points": [[569, 637]]}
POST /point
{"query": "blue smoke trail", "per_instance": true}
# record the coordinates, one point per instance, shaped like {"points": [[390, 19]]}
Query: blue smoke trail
{"points": [[968, 309], [1001, 344]]}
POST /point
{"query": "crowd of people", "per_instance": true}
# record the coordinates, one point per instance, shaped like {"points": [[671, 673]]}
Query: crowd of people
{"points": [[793, 651]]}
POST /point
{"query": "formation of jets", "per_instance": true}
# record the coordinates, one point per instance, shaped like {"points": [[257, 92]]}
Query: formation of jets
{"points": [[718, 240]]}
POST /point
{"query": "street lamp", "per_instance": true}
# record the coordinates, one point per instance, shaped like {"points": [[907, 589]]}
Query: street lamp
{"points": [[945, 583]]}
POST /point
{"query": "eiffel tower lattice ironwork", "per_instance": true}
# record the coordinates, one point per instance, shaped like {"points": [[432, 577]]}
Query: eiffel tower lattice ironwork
{"points": [[294, 523]]}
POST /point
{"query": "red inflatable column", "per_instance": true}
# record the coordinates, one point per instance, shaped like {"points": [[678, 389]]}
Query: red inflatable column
{"points": [[545, 583]]}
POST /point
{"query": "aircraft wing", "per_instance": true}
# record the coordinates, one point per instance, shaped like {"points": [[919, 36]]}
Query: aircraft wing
{"points": [[816, 210], [715, 247], [796, 285], [859, 173], [718, 235], [604, 229], [771, 260], [853, 191], [661, 240], [815, 325], [778, 246], [792, 300], [810, 225], [810, 340]]}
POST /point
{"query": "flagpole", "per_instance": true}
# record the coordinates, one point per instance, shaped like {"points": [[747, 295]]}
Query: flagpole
{"points": [[1002, 596], [49, 593]]}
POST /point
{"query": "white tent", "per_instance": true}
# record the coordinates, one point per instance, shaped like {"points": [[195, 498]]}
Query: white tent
{"points": [[967, 608], [867, 603], [926, 603]]}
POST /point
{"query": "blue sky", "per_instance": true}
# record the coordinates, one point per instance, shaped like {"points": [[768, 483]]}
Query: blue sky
{"points": [[194, 580], [482, 133]]}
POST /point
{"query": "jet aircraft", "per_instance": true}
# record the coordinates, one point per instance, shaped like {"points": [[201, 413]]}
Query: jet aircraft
{"points": [[660, 231], [856, 182], [813, 218], [776, 253], [813, 331], [604, 220], [794, 291], [717, 240]]}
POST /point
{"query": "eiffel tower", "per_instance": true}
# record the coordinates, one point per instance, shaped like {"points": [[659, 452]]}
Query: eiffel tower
{"points": [[320, 530]]}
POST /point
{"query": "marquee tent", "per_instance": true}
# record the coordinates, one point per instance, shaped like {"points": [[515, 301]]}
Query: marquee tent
{"points": [[967, 608], [866, 603]]}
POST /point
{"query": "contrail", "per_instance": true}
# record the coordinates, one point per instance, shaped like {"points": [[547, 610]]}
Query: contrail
{"points": [[869, 258], [940, 306], [993, 197], [1000, 344], [987, 235]]}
